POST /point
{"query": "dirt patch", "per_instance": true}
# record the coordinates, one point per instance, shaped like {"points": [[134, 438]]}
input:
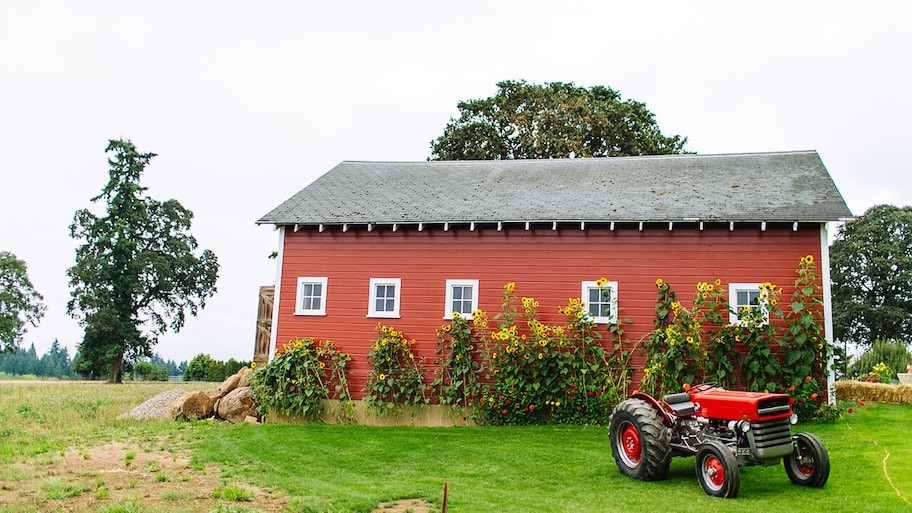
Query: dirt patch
{"points": [[405, 506], [87, 479], [156, 478]]}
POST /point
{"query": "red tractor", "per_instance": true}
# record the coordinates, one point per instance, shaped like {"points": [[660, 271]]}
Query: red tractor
{"points": [[724, 429]]}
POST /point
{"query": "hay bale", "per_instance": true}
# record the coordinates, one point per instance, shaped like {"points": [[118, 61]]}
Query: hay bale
{"points": [[877, 392]]}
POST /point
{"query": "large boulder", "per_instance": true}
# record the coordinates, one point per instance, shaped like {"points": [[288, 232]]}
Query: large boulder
{"points": [[237, 405], [192, 406], [229, 384], [244, 373], [239, 379], [215, 395]]}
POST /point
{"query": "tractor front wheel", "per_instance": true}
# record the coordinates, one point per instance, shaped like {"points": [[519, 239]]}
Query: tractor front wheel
{"points": [[640, 442], [809, 464], [717, 470]]}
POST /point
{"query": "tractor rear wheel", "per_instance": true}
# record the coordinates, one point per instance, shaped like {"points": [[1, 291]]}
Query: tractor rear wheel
{"points": [[809, 464], [640, 442], [717, 470]]}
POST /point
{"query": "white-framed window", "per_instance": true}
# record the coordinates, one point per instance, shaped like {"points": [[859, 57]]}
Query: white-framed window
{"points": [[744, 295], [462, 297], [384, 297], [310, 298], [601, 302]]}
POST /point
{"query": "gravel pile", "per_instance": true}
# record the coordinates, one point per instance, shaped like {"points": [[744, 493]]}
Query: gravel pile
{"points": [[155, 408]]}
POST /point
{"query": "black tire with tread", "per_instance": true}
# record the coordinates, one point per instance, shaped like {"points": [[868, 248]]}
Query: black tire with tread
{"points": [[809, 465], [654, 439], [717, 470]]}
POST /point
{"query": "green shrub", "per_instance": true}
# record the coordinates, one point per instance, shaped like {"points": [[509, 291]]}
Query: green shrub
{"points": [[397, 378], [297, 380], [892, 353]]}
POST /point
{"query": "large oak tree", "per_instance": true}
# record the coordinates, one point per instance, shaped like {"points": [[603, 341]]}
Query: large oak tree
{"points": [[554, 120], [137, 273], [871, 273], [20, 303]]}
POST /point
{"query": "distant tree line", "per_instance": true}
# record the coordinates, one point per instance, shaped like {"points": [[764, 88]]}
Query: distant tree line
{"points": [[56, 363]]}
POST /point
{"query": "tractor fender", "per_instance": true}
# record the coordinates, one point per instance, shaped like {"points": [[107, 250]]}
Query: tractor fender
{"points": [[666, 418]]}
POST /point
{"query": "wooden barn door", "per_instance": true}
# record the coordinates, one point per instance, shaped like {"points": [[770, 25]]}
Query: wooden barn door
{"points": [[264, 324]]}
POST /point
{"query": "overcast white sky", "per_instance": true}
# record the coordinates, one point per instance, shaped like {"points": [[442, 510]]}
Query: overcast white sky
{"points": [[247, 102]]}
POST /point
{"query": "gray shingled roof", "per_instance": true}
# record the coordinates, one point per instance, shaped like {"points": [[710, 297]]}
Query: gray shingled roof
{"points": [[751, 187]]}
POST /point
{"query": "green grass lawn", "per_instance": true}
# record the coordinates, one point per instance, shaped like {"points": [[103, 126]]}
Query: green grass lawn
{"points": [[549, 469], [327, 468]]}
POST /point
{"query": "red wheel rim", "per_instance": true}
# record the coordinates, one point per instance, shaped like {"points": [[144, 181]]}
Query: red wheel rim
{"points": [[630, 443], [805, 462], [714, 471]]}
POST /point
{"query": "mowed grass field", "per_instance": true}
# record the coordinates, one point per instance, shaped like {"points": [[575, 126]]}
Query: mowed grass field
{"points": [[62, 448]]}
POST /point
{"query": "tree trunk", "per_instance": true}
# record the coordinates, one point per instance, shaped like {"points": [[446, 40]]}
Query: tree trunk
{"points": [[116, 377]]}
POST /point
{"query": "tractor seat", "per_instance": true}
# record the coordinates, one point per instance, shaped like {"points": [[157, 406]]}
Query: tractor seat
{"points": [[680, 403]]}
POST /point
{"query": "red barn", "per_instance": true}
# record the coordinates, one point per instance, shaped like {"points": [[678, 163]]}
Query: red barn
{"points": [[408, 243]]}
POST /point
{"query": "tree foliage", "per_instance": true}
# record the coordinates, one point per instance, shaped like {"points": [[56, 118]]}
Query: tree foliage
{"points": [[137, 273], [203, 367], [871, 272], [554, 120], [20, 303]]}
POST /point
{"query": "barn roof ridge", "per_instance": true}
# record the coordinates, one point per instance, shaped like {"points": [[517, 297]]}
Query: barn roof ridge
{"points": [[571, 159], [786, 186]]}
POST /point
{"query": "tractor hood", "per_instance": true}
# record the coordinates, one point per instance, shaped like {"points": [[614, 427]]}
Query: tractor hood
{"points": [[718, 403]]}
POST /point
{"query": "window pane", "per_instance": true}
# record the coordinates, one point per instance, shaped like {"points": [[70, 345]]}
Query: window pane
{"points": [[593, 296], [457, 293], [315, 304], [754, 298], [317, 290]]}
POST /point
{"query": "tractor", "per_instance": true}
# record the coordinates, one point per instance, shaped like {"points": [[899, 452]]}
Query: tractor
{"points": [[724, 429]]}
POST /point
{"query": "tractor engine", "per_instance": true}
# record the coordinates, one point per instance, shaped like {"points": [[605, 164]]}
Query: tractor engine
{"points": [[692, 432]]}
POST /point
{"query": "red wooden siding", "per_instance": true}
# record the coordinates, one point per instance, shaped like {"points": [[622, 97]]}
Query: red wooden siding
{"points": [[545, 264]]}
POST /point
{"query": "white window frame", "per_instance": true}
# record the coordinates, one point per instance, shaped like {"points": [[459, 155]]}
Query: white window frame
{"points": [[733, 289], [450, 284], [586, 286], [299, 295], [372, 305]]}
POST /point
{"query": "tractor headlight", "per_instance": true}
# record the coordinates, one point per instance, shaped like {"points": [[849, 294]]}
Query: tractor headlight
{"points": [[793, 419], [740, 425]]}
